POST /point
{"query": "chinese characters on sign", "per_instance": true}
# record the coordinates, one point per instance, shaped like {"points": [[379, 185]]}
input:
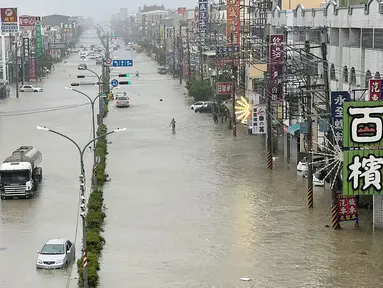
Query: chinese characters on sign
{"points": [[276, 59], [223, 88], [39, 41], [27, 23], [376, 93], [259, 119], [32, 68], [26, 47], [202, 19], [226, 56], [363, 148], [233, 23], [347, 208], [337, 100], [9, 20]]}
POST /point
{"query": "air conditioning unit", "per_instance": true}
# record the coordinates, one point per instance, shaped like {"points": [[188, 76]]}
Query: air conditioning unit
{"points": [[381, 8]]}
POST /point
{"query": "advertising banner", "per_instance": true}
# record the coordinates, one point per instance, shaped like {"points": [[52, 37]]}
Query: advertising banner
{"points": [[363, 148], [376, 93], [203, 14], [26, 47], [9, 21], [32, 68], [347, 208], [276, 59], [259, 119], [27, 23], [223, 88], [39, 41], [233, 22], [337, 100]]}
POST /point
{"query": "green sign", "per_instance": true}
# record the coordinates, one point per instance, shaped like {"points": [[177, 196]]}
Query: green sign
{"points": [[363, 148], [39, 41]]}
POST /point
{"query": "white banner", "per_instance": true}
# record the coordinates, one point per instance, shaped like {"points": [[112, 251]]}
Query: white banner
{"points": [[259, 119]]}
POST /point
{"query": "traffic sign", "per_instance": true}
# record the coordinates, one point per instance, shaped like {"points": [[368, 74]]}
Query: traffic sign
{"points": [[114, 82], [122, 63], [108, 61]]}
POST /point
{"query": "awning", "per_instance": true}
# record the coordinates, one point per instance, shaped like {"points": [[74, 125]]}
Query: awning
{"points": [[294, 128]]}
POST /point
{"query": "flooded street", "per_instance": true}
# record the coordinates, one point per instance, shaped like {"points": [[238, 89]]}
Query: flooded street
{"points": [[197, 209]]}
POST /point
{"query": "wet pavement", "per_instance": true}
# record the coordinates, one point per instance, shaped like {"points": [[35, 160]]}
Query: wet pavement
{"points": [[193, 209]]}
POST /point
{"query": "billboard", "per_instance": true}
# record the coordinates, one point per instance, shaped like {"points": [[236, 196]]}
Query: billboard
{"points": [[9, 21], [259, 119], [233, 22], [363, 148], [181, 11], [224, 88], [27, 23], [203, 14], [276, 60], [337, 100]]}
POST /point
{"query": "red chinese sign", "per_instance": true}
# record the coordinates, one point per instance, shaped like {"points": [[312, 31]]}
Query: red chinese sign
{"points": [[227, 61], [224, 88], [276, 59], [347, 208], [32, 68], [8, 15], [27, 22], [233, 22], [181, 11], [376, 93]]}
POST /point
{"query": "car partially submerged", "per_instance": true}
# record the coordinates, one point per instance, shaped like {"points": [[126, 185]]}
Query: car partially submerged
{"points": [[56, 254]]}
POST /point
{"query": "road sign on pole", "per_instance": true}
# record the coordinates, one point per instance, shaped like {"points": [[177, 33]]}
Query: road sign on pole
{"points": [[108, 62], [114, 82], [122, 63]]}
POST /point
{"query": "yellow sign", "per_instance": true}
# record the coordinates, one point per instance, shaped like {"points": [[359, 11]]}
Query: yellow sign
{"points": [[243, 109]]}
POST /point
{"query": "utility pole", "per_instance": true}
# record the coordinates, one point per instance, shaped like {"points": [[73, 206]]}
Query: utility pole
{"points": [[180, 47], [22, 60], [269, 131], [310, 184], [200, 61], [174, 51], [188, 52], [165, 46], [234, 83], [334, 178], [17, 64], [84, 238]]}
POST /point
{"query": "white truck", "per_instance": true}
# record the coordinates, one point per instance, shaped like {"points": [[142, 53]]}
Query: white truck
{"points": [[20, 173]]}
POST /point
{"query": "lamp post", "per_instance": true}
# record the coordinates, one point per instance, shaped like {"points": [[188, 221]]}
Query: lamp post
{"points": [[82, 187], [92, 103]]}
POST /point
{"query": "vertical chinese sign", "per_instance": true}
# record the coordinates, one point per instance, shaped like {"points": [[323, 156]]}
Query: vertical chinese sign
{"points": [[363, 148], [202, 20], [9, 20], [233, 23], [376, 93], [337, 100], [276, 59], [347, 208], [259, 119], [39, 42]]}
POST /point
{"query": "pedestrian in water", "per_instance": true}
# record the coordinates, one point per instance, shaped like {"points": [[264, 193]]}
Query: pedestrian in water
{"points": [[216, 117], [173, 124]]}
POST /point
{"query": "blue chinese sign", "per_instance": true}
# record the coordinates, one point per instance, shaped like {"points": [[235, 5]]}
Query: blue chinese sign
{"points": [[226, 51], [203, 14], [122, 63], [337, 100]]}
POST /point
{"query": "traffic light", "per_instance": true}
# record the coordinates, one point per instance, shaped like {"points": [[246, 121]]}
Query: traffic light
{"points": [[125, 83], [124, 75]]}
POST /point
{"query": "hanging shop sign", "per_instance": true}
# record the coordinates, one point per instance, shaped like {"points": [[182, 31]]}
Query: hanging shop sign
{"points": [[39, 42], [233, 22], [276, 59], [347, 208], [202, 19], [259, 119], [32, 68], [27, 23], [376, 89], [337, 100], [363, 148], [226, 56], [9, 20], [224, 88]]}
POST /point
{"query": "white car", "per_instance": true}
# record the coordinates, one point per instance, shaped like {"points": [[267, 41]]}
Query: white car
{"points": [[30, 88], [197, 105], [121, 100], [56, 254]]}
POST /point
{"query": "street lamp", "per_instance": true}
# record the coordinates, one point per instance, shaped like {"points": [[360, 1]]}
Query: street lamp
{"points": [[82, 187]]}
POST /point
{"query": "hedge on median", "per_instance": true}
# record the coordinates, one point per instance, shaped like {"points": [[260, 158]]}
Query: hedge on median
{"points": [[95, 217]]}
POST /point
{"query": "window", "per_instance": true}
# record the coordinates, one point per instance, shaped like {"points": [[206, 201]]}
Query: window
{"points": [[378, 38], [353, 76], [345, 74], [377, 75], [332, 72], [368, 78], [367, 38]]}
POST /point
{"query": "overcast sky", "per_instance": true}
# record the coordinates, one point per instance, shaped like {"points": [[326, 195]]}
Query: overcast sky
{"points": [[89, 8]]}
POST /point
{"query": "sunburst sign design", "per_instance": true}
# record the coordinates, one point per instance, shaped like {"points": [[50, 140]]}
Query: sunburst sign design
{"points": [[243, 109]]}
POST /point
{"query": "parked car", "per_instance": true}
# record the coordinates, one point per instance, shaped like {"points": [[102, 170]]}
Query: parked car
{"points": [[205, 108], [121, 100], [197, 104], [56, 254], [162, 70], [30, 88], [82, 67]]}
